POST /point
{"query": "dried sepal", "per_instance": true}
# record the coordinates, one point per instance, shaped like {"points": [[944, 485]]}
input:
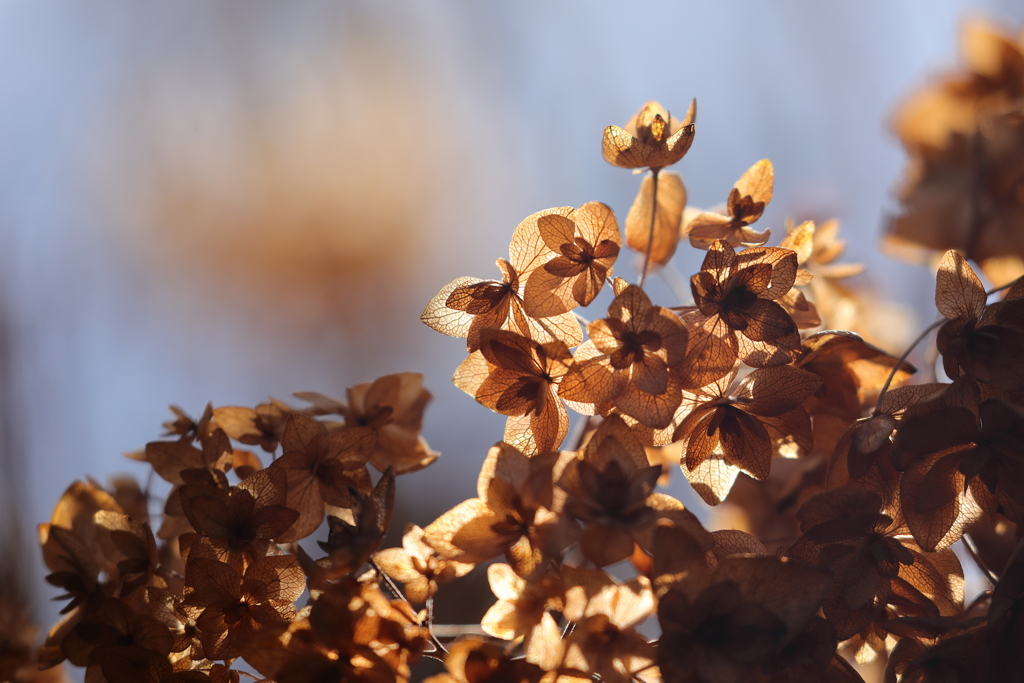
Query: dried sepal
{"points": [[467, 306], [731, 429], [629, 360], [570, 255], [958, 291], [517, 513], [746, 203], [518, 377], [321, 468], [651, 139]]}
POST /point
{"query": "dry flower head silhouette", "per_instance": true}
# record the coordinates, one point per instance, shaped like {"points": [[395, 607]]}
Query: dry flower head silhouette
{"points": [[852, 474]]}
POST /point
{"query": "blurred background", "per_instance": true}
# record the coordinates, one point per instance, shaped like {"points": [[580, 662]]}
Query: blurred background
{"points": [[221, 201]]}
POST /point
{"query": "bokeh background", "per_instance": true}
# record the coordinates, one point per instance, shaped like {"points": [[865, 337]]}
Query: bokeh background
{"points": [[221, 201]]}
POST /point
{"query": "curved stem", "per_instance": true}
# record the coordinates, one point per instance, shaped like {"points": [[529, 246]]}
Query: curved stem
{"points": [[972, 550], [917, 341], [397, 592], [650, 233], [896, 367]]}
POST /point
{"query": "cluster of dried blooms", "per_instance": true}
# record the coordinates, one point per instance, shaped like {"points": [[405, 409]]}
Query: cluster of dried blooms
{"points": [[855, 482]]}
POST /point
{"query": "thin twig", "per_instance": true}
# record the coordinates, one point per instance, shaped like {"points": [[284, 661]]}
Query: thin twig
{"points": [[397, 592], [1000, 288], [972, 550], [168, 572], [896, 367], [570, 626], [650, 233], [917, 341], [675, 281], [981, 597], [430, 624]]}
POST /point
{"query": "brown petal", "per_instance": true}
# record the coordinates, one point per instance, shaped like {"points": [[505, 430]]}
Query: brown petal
{"points": [[713, 478], [465, 526], [775, 390], [711, 354], [958, 291], [438, 316], [938, 513], [652, 410], [528, 250], [757, 183], [604, 546], [746, 444]]}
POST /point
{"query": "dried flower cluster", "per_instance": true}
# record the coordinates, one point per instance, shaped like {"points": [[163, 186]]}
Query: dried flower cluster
{"points": [[854, 483]]}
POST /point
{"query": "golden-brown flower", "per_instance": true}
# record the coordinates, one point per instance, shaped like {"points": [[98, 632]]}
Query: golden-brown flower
{"points": [[610, 487], [519, 377], [237, 525], [417, 565], [751, 609], [957, 461], [230, 606], [321, 466], [517, 513], [571, 252], [628, 360], [733, 429], [746, 203], [873, 562], [604, 640], [393, 406], [651, 139], [467, 306], [524, 610], [739, 289]]}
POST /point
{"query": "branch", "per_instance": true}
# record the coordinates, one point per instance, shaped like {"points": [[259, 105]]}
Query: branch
{"points": [[650, 233]]}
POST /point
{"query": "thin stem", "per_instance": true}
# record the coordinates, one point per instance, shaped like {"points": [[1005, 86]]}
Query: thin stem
{"points": [[972, 550], [675, 281], [896, 367], [981, 597], [167, 572], [397, 592], [580, 431], [430, 624], [917, 341], [650, 233], [570, 626], [1000, 288]]}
